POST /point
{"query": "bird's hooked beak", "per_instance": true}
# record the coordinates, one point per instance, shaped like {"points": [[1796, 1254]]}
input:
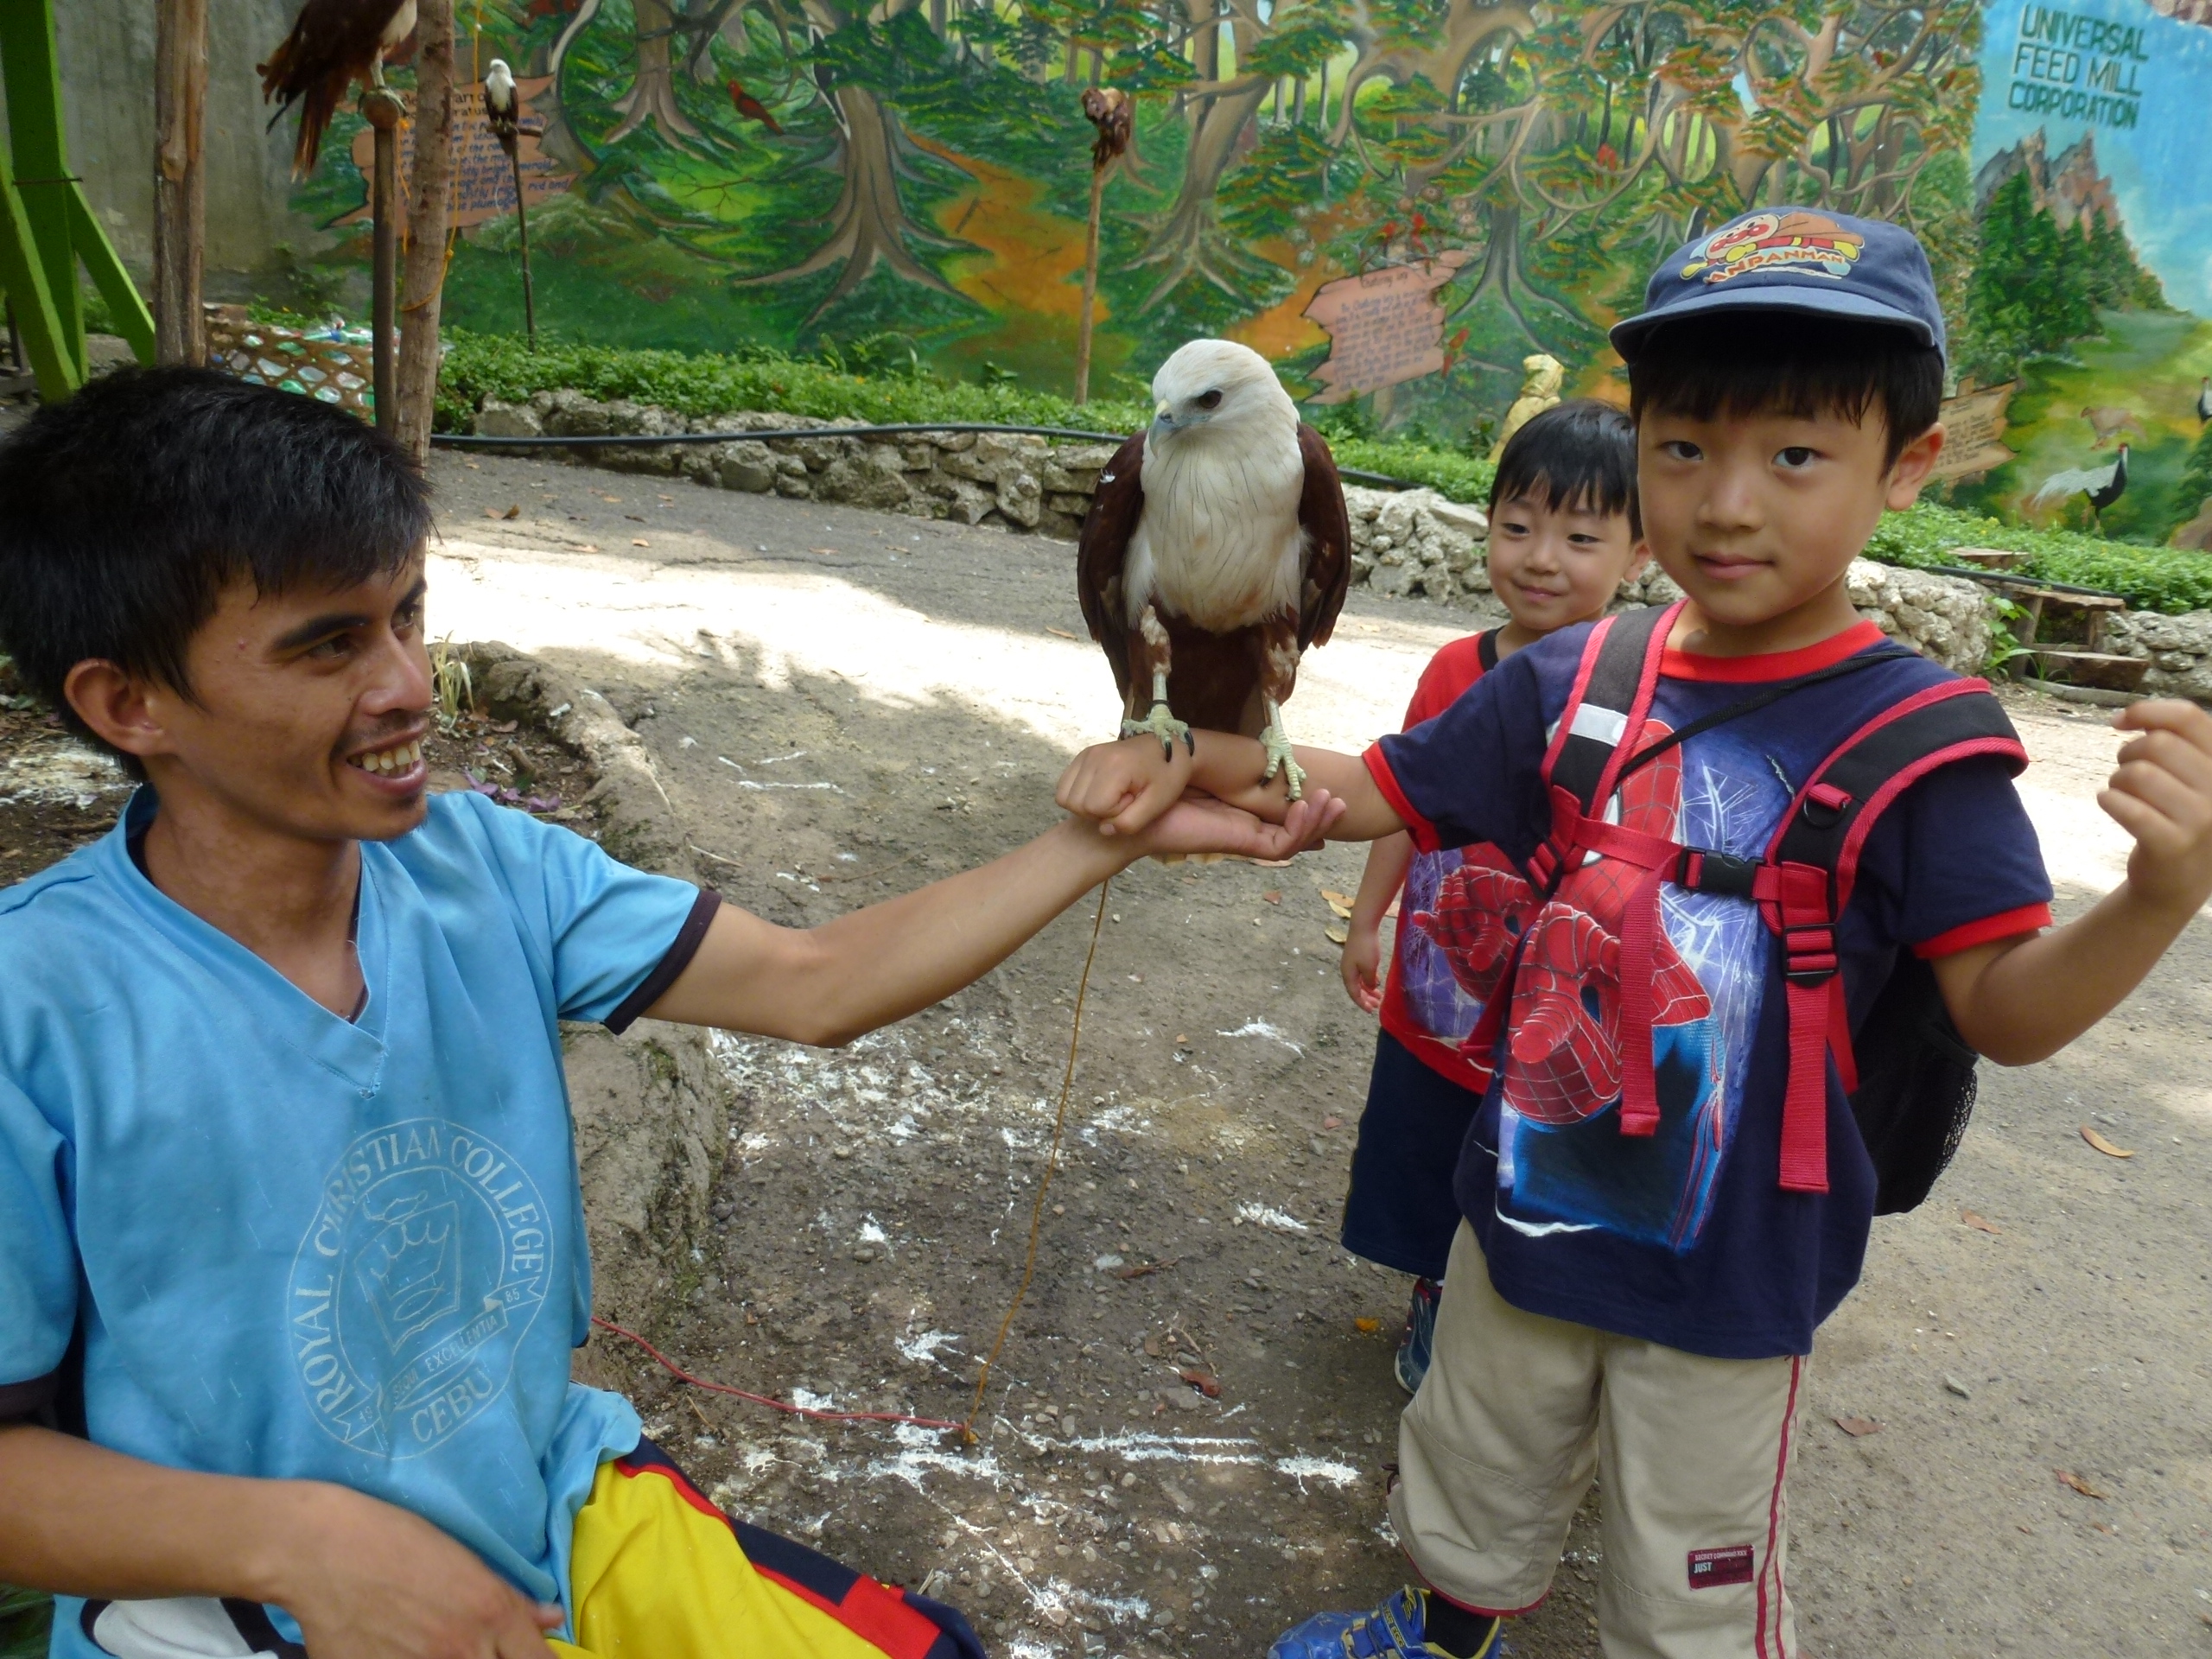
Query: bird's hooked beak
{"points": [[1163, 418]]}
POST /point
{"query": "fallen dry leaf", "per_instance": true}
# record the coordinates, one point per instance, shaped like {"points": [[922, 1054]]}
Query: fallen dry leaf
{"points": [[491, 512], [639, 541], [1336, 899], [2103, 1145], [1342, 913], [1337, 935], [1367, 1327], [827, 552], [1143, 1270], [1152, 1347], [1204, 1381], [1272, 896], [2068, 1477], [1978, 1222], [591, 547], [1182, 1040], [1332, 1122], [1858, 1427], [514, 511], [615, 499], [1059, 633]]}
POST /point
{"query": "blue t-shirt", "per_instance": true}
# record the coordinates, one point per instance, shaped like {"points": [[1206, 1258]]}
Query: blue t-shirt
{"points": [[298, 1246], [1686, 1239]]}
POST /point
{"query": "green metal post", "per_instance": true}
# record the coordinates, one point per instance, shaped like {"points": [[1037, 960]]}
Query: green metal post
{"points": [[23, 278], [104, 266], [32, 69]]}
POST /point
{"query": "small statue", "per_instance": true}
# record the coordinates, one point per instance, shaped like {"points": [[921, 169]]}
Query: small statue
{"points": [[1539, 391]]}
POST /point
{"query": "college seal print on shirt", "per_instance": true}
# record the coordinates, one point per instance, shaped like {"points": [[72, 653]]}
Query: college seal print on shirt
{"points": [[423, 1269]]}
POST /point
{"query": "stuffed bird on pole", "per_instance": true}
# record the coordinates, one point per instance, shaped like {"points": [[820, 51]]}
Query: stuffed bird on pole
{"points": [[333, 43], [1217, 549], [503, 114]]}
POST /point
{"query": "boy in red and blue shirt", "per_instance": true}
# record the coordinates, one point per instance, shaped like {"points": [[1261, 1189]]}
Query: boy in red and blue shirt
{"points": [[1564, 533], [1636, 1300]]}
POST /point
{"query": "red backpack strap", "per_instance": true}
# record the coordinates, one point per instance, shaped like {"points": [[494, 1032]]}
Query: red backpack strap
{"points": [[1596, 733], [1812, 863]]}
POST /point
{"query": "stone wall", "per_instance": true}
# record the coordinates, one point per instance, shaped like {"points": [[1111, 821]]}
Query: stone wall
{"points": [[1405, 542], [2179, 647]]}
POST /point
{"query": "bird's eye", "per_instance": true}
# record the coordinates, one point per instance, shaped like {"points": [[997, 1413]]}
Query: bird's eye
{"points": [[1210, 400]]}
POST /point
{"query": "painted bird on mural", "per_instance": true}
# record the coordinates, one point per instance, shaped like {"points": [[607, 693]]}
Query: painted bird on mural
{"points": [[333, 43], [2103, 484], [502, 106], [1217, 551], [753, 109]]}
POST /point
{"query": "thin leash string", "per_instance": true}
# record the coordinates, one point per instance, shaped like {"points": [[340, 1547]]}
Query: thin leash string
{"points": [[1051, 1163], [967, 1428]]}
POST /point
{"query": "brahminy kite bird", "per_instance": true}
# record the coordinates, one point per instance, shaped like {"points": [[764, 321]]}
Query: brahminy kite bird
{"points": [[333, 43], [1215, 552], [502, 106]]}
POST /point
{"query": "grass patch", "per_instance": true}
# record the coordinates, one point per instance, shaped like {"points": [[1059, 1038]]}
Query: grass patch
{"points": [[2153, 578], [877, 379]]}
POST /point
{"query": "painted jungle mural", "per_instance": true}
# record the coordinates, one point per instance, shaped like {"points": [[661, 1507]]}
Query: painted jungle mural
{"points": [[906, 183]]}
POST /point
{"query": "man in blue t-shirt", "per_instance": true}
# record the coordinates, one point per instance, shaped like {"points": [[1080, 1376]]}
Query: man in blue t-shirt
{"points": [[292, 1252], [1658, 1212]]}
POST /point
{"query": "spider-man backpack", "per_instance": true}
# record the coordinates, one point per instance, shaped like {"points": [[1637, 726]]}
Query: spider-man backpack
{"points": [[1910, 1074]]}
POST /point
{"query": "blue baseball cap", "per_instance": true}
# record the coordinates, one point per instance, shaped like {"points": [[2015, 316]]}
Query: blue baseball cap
{"points": [[1794, 259]]}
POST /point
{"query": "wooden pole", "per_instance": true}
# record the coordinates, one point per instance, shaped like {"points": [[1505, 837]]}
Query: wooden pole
{"points": [[179, 182], [382, 111], [1090, 284], [522, 230], [428, 215]]}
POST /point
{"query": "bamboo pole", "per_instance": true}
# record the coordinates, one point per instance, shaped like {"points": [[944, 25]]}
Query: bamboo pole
{"points": [[428, 215], [180, 180], [383, 112], [522, 230]]}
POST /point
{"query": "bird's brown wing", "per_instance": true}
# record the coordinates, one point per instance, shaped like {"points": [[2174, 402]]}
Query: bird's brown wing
{"points": [[1328, 560], [333, 43], [1101, 549]]}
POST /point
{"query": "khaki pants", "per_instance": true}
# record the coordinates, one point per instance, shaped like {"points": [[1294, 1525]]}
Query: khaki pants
{"points": [[1517, 1413]]}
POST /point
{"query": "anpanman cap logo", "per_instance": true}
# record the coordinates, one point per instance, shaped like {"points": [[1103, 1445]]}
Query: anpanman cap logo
{"points": [[1763, 241]]}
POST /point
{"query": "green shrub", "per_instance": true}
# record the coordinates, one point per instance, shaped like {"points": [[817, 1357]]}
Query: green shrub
{"points": [[893, 387], [2153, 578]]}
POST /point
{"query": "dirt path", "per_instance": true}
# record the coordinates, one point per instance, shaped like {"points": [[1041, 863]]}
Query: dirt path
{"points": [[843, 705]]}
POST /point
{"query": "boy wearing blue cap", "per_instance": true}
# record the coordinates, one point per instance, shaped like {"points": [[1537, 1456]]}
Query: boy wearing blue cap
{"points": [[1755, 833]]}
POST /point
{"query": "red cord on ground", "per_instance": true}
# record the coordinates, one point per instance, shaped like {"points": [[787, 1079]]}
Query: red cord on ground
{"points": [[679, 1372]]}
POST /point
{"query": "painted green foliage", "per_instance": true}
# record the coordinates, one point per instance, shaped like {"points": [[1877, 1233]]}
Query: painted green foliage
{"points": [[781, 172]]}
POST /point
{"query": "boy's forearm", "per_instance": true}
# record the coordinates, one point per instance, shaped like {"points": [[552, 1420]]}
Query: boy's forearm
{"points": [[2020, 1003], [77, 1519], [1229, 768], [832, 983], [1387, 863]]}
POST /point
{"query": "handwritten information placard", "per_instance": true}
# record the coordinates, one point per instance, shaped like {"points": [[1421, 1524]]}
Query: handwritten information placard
{"points": [[483, 183], [1973, 423], [1384, 325]]}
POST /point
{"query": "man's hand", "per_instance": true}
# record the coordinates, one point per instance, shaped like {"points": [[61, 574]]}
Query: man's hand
{"points": [[1200, 823], [2162, 795], [1122, 787], [371, 1581]]}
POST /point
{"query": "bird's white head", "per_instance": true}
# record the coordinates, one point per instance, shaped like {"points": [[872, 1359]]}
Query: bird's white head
{"points": [[1217, 386], [500, 85]]}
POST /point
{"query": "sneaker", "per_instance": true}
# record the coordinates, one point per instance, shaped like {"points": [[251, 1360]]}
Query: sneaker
{"points": [[1419, 1339], [1394, 1630]]}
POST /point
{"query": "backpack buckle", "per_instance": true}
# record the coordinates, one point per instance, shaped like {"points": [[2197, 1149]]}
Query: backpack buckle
{"points": [[1702, 870]]}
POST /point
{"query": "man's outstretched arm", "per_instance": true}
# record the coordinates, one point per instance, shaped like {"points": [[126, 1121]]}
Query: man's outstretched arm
{"points": [[829, 984], [365, 1580]]}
